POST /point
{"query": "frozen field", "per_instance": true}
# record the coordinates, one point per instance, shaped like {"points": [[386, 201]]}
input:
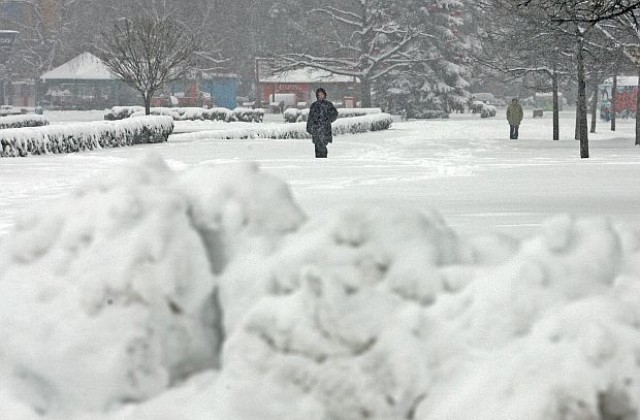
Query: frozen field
{"points": [[464, 167]]}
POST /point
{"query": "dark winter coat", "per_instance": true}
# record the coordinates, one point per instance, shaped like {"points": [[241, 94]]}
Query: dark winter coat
{"points": [[514, 114], [321, 115]]}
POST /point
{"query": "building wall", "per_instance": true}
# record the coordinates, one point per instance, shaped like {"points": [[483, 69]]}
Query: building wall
{"points": [[625, 101], [305, 92], [222, 90]]}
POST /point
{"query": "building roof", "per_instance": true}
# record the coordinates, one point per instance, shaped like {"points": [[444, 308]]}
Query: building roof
{"points": [[86, 66], [306, 75]]}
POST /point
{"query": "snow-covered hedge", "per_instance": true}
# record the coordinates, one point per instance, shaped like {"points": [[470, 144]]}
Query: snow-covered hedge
{"points": [[485, 110], [292, 115], [488, 111], [20, 121], [84, 136], [189, 113], [373, 122], [10, 110], [208, 294]]}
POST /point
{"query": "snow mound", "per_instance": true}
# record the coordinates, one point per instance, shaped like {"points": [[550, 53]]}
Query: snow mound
{"points": [[110, 295], [155, 295], [365, 321]]}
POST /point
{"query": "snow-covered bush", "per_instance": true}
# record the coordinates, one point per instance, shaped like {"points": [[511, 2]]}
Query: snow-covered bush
{"points": [[488, 111], [10, 110], [292, 115], [84, 136], [248, 114], [20, 121], [122, 112], [373, 122], [189, 113], [299, 115], [485, 110]]}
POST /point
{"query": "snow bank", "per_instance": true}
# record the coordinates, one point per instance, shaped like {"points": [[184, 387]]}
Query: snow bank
{"points": [[110, 296], [19, 121], [84, 136], [374, 122], [292, 115], [189, 113], [207, 295]]}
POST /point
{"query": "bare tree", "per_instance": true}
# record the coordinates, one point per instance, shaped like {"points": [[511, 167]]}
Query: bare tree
{"points": [[46, 30], [625, 31], [578, 18], [581, 11], [523, 44], [148, 52]]}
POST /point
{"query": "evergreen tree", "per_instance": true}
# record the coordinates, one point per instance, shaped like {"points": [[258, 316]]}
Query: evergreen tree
{"points": [[436, 85], [378, 41]]}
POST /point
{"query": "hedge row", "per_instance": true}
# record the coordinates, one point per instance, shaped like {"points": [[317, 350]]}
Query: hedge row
{"points": [[84, 136], [374, 122], [189, 113], [10, 110], [293, 115], [20, 121]]}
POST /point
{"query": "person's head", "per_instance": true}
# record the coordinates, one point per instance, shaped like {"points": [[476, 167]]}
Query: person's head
{"points": [[514, 100], [321, 94]]}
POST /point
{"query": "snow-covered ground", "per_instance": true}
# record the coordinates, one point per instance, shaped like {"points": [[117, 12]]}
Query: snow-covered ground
{"points": [[465, 167], [415, 274]]}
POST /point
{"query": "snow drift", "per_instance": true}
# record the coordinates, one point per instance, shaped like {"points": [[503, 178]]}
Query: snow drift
{"points": [[207, 294]]}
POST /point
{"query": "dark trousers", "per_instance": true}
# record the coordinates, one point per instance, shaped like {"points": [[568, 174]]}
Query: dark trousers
{"points": [[321, 150], [513, 134]]}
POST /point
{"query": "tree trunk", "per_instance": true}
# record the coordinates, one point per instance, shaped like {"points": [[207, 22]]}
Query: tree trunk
{"points": [[582, 100], [146, 97], [556, 107], [637, 113], [365, 92], [594, 104], [577, 133], [614, 94]]}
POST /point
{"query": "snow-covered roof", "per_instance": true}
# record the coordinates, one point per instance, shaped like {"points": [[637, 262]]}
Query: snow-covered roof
{"points": [[306, 75], [86, 66]]}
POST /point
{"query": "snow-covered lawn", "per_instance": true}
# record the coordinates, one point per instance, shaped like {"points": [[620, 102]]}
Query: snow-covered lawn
{"points": [[465, 167], [415, 274]]}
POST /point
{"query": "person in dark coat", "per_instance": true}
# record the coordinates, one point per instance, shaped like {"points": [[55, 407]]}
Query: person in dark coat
{"points": [[321, 115], [514, 116]]}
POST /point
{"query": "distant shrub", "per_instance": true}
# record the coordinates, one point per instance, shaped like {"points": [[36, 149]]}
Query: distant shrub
{"points": [[189, 113], [20, 121]]}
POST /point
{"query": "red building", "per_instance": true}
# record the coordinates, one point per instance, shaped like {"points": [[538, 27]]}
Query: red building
{"points": [[297, 87]]}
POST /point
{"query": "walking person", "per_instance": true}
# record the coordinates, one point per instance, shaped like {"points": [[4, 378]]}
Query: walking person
{"points": [[321, 115], [514, 116]]}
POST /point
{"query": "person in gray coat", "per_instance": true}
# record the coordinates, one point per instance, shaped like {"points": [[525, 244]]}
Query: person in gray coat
{"points": [[514, 116], [321, 115]]}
